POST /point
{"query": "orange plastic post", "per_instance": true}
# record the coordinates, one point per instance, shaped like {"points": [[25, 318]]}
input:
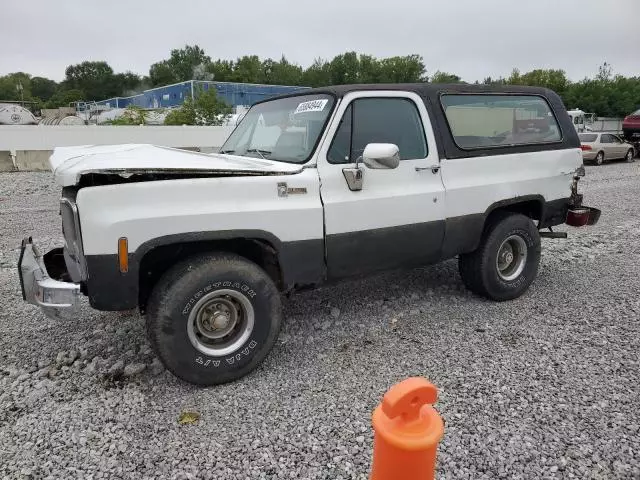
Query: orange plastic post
{"points": [[407, 430]]}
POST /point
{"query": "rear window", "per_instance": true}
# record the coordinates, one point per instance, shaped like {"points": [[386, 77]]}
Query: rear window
{"points": [[481, 121], [587, 137]]}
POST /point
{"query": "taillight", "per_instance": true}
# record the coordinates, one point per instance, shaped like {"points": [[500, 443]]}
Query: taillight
{"points": [[585, 147]]}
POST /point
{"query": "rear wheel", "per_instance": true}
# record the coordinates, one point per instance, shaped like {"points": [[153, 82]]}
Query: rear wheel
{"points": [[213, 318], [600, 158], [629, 156], [506, 262]]}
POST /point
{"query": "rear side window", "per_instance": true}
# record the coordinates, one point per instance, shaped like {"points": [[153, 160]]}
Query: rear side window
{"points": [[481, 121]]}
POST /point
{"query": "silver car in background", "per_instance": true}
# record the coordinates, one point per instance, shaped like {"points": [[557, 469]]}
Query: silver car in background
{"points": [[601, 147]]}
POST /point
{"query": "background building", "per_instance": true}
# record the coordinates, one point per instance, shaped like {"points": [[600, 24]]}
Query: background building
{"points": [[235, 94]]}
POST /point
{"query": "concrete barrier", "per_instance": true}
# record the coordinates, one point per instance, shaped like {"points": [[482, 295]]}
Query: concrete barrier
{"points": [[32, 144], [32, 160], [47, 137], [6, 162]]}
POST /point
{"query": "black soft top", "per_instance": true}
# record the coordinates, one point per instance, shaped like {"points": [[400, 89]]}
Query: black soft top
{"points": [[422, 89]]}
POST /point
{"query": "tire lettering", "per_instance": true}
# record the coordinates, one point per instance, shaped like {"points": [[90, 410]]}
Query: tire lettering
{"points": [[238, 357], [245, 351], [253, 344], [226, 284], [230, 360], [199, 360]]}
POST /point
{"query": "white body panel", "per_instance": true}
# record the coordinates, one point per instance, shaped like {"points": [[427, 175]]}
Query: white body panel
{"points": [[69, 163], [147, 210], [389, 198], [473, 184]]}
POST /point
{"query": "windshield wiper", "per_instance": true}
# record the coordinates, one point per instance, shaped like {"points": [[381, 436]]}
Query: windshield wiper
{"points": [[226, 151], [260, 152]]}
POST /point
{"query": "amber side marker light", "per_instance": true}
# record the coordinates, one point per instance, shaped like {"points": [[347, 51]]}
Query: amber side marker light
{"points": [[123, 254]]}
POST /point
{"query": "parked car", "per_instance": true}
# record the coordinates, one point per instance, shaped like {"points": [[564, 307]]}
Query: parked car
{"points": [[601, 147], [631, 125], [332, 183]]}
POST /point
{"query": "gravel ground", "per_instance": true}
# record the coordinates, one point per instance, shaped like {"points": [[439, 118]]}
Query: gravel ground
{"points": [[545, 386]]}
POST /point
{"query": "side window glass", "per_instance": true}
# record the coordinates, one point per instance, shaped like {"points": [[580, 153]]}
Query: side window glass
{"points": [[340, 150], [388, 120], [605, 139], [480, 121]]}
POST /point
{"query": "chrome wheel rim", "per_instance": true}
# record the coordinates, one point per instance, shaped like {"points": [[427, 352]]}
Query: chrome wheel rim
{"points": [[220, 322], [629, 155], [511, 258]]}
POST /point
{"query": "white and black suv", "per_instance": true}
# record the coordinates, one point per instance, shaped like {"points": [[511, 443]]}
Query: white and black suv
{"points": [[309, 188]]}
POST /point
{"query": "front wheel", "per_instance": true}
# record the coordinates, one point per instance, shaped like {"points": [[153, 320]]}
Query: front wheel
{"points": [[213, 318], [506, 262], [629, 156]]}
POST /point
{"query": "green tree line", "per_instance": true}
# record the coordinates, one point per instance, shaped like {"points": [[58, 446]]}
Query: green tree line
{"points": [[605, 94]]}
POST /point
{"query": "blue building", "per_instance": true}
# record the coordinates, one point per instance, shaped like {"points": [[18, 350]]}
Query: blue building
{"points": [[235, 94]]}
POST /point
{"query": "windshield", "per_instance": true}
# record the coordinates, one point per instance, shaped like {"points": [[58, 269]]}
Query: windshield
{"points": [[587, 137], [285, 130]]}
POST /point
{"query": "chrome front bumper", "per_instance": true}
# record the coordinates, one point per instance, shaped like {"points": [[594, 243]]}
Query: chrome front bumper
{"points": [[56, 299]]}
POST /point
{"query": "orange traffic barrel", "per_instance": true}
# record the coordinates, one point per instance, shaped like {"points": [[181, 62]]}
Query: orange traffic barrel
{"points": [[407, 430]]}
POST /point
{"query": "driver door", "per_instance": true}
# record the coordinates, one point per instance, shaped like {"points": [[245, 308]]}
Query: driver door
{"points": [[397, 218]]}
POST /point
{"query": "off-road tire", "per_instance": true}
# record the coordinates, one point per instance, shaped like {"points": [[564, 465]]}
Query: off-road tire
{"points": [[177, 293], [478, 269]]}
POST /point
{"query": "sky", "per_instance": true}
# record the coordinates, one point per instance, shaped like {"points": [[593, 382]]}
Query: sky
{"points": [[471, 38]]}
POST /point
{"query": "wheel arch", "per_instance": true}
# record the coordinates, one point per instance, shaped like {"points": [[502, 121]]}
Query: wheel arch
{"points": [[156, 256], [464, 234]]}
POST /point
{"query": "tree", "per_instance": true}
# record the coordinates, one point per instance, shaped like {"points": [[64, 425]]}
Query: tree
{"points": [[248, 69], [179, 67], [206, 109], [444, 77], [15, 86], [127, 84], [95, 79], [407, 69], [63, 98], [43, 88], [317, 75], [281, 73], [222, 70]]}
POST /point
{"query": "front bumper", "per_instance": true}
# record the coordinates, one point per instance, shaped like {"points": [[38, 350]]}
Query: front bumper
{"points": [[56, 298]]}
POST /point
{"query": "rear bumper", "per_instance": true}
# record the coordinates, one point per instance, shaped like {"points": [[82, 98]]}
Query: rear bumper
{"points": [[57, 299], [589, 154]]}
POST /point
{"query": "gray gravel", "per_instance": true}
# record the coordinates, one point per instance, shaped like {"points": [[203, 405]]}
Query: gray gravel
{"points": [[545, 386]]}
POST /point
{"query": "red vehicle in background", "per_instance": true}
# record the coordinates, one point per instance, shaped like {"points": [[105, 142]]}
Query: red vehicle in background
{"points": [[631, 129], [631, 125]]}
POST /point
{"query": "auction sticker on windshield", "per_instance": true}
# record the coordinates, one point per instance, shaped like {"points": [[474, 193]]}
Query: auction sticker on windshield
{"points": [[311, 106]]}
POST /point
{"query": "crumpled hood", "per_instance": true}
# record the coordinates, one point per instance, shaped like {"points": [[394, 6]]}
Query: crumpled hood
{"points": [[70, 163]]}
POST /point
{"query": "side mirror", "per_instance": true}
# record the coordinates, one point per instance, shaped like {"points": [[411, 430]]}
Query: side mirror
{"points": [[381, 155]]}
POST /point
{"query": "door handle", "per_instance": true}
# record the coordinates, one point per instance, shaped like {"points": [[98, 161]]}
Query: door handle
{"points": [[434, 169]]}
